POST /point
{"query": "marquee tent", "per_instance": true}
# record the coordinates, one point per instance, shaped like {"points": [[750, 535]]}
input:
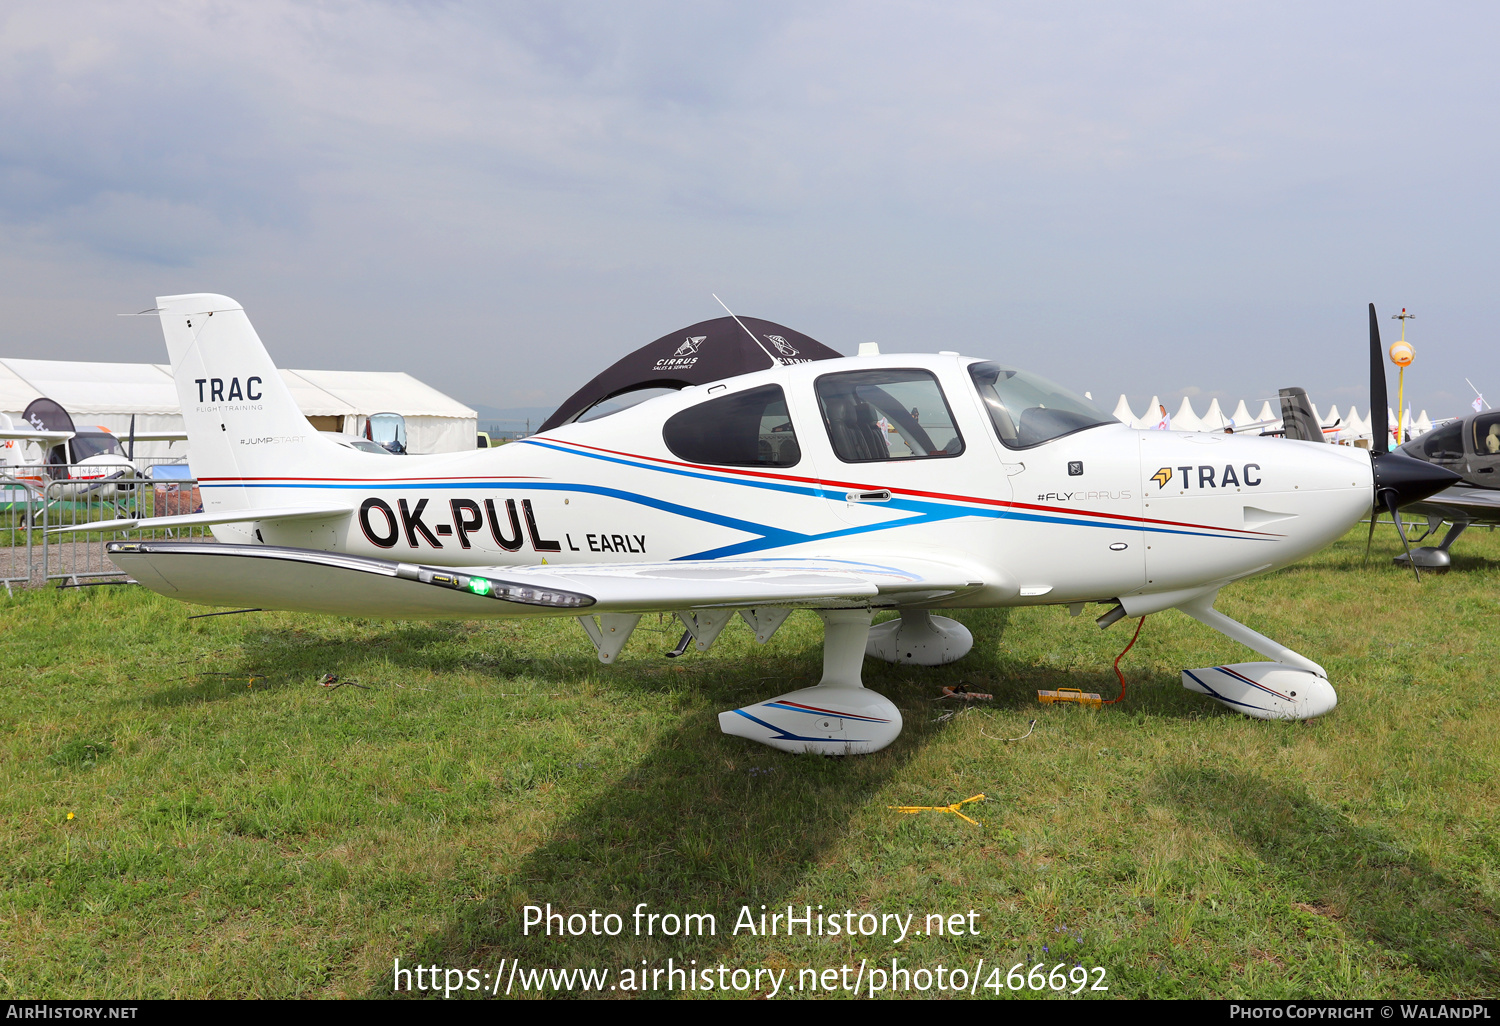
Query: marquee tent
{"points": [[109, 394]]}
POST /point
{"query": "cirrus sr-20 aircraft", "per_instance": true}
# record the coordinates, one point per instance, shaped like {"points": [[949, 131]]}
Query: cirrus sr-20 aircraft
{"points": [[845, 485]]}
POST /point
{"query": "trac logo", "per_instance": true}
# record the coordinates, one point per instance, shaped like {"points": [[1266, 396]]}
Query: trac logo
{"points": [[1247, 476], [217, 393]]}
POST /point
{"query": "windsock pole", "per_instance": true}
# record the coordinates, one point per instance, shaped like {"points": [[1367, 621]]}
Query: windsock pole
{"points": [[1401, 356]]}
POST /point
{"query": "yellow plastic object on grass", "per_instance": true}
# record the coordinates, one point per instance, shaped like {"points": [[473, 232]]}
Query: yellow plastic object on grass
{"points": [[912, 809], [1078, 695]]}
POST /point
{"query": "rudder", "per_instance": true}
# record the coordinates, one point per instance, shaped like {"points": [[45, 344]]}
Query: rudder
{"points": [[241, 419]]}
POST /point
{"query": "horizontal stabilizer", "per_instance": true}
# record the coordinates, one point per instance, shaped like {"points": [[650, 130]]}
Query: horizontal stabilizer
{"points": [[152, 436], [238, 516], [271, 577]]}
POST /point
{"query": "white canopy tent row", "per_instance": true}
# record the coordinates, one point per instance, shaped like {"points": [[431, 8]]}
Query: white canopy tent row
{"points": [[110, 394], [1347, 427]]}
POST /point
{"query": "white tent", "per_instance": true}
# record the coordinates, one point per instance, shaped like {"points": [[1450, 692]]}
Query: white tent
{"points": [[109, 394], [1214, 419], [434, 422]]}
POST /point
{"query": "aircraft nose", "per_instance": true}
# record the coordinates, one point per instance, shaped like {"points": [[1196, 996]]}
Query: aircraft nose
{"points": [[1409, 479]]}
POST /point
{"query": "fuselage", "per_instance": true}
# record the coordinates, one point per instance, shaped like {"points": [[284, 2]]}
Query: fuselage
{"points": [[1093, 514]]}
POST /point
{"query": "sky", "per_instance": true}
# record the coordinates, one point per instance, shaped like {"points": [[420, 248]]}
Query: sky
{"points": [[503, 198]]}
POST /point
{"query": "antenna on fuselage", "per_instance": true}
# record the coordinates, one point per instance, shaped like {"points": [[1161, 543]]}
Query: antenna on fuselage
{"points": [[774, 358]]}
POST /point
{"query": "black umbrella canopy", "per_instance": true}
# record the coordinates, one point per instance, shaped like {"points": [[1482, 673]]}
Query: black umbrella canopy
{"points": [[46, 415], [695, 355]]}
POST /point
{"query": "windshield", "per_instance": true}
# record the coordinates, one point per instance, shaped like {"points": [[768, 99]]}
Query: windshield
{"points": [[387, 430], [1027, 410], [88, 445]]}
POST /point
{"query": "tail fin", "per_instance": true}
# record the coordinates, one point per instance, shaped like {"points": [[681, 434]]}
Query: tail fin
{"points": [[1298, 417], [240, 417]]}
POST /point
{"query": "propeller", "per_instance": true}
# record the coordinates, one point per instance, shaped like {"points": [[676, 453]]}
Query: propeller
{"points": [[1380, 425], [1389, 497], [130, 455], [1380, 428], [1399, 479]]}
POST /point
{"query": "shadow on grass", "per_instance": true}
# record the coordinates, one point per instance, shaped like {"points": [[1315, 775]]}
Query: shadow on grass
{"points": [[1015, 682], [282, 657], [1378, 890], [703, 823]]}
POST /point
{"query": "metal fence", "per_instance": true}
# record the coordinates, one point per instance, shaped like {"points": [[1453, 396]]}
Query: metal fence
{"points": [[49, 497], [20, 563]]}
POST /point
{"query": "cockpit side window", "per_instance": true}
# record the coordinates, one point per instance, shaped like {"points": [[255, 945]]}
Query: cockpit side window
{"points": [[1486, 435], [1027, 410], [895, 414], [747, 429]]}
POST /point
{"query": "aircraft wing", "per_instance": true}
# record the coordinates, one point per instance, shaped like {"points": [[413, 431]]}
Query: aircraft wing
{"points": [[1460, 502], [33, 435], [271, 577], [240, 516]]}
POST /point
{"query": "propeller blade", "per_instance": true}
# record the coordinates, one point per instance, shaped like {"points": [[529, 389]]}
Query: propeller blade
{"points": [[1374, 516], [131, 454], [1390, 504], [1380, 424]]}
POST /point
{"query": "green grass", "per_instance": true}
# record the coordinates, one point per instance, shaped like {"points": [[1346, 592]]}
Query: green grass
{"points": [[238, 830]]}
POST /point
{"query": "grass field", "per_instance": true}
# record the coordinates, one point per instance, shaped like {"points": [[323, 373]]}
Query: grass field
{"points": [[187, 813]]}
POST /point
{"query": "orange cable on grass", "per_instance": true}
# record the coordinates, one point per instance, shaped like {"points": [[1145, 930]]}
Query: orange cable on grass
{"points": [[1121, 696]]}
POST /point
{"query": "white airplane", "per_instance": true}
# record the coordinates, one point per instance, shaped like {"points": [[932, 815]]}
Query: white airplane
{"points": [[49, 447], [911, 482]]}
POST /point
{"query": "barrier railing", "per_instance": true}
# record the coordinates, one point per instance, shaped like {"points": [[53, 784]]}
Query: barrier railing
{"points": [[69, 497], [18, 563]]}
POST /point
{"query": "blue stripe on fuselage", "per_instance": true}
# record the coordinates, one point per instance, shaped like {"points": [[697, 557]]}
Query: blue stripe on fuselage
{"points": [[765, 537]]}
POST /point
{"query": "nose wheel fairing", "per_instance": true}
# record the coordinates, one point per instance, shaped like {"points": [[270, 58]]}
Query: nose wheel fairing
{"points": [[1434, 557], [1266, 691], [1292, 688]]}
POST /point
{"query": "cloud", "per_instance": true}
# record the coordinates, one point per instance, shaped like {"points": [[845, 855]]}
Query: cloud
{"points": [[504, 197]]}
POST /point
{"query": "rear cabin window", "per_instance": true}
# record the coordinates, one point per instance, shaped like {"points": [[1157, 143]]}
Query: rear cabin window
{"points": [[893, 414], [746, 429]]}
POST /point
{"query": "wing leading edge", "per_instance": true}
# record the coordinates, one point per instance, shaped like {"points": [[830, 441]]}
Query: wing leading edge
{"points": [[303, 580]]}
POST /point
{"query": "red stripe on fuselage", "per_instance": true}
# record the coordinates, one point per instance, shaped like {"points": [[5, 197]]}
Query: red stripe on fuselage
{"points": [[1005, 503]]}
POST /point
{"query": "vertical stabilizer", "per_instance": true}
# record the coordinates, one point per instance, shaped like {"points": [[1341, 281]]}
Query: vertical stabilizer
{"points": [[241, 420]]}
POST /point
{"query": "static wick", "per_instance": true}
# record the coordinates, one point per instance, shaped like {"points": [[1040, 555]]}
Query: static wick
{"points": [[227, 612]]}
